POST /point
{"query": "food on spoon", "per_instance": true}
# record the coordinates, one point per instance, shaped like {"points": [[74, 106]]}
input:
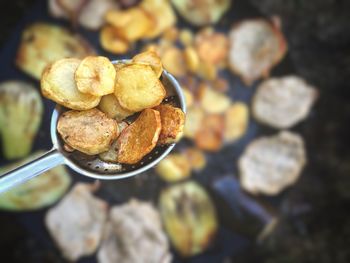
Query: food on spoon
{"points": [[109, 104], [283, 102], [201, 12], [196, 158], [212, 101], [172, 121], [137, 223], [77, 222], [90, 131], [139, 138], [256, 46], [95, 75], [210, 135], [37, 193], [174, 167], [137, 87], [272, 163], [236, 121], [152, 59], [58, 84], [112, 42], [21, 110], [43, 43], [189, 217], [194, 121]]}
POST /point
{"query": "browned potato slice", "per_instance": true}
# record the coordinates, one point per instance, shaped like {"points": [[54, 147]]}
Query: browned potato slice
{"points": [[192, 59], [90, 131], [195, 158], [174, 61], [112, 42], [173, 121], [174, 167], [95, 76], [132, 24], [58, 84], [110, 105], [137, 87], [194, 118], [151, 58], [210, 135], [212, 101], [139, 138], [236, 121]]}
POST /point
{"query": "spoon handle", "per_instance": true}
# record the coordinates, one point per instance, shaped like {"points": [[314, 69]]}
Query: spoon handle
{"points": [[29, 170]]}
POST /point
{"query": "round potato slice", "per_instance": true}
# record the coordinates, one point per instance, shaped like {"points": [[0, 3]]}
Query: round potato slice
{"points": [[173, 122], [137, 87], [112, 42], [139, 138], [90, 131], [58, 84], [95, 75], [174, 61], [151, 58], [173, 168], [110, 105]]}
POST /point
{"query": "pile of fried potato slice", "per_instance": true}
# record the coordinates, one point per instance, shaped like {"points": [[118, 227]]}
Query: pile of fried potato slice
{"points": [[100, 96]]}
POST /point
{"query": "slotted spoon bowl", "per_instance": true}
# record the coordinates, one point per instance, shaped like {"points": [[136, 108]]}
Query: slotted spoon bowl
{"points": [[92, 166]]}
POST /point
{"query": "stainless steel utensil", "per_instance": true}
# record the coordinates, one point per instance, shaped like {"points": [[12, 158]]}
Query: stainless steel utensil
{"points": [[91, 166]]}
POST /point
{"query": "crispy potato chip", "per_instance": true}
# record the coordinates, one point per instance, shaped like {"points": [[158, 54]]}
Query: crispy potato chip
{"points": [[211, 133], [173, 121], [42, 44], [194, 118], [95, 76], [151, 58], [174, 61], [173, 168], [137, 87], [196, 158], [192, 59], [132, 24], [211, 100], [109, 104], [90, 131], [139, 138], [58, 84], [112, 42], [236, 121]]}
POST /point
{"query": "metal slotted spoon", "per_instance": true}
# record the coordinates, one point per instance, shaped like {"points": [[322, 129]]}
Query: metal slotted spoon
{"points": [[92, 166]]}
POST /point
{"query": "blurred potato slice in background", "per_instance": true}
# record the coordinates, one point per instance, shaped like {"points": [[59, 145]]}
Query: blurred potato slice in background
{"points": [[112, 42], [188, 97], [210, 135], [95, 75], [137, 87], [43, 43], [140, 137], [152, 59], [58, 84], [173, 121], [189, 217], [76, 223], [21, 111], [37, 193], [236, 121], [174, 167], [196, 158], [212, 101], [192, 59], [207, 71], [194, 119], [111, 107], [90, 131], [173, 61], [201, 12], [186, 37]]}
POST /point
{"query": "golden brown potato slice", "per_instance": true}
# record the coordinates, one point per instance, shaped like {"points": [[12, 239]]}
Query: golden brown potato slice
{"points": [[132, 24], [110, 105], [112, 42], [210, 135], [173, 61], [174, 167], [213, 101], [236, 121], [192, 59], [207, 71], [139, 138], [90, 131], [151, 58], [173, 121], [194, 118], [58, 84], [95, 76], [186, 37], [137, 87], [196, 158]]}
